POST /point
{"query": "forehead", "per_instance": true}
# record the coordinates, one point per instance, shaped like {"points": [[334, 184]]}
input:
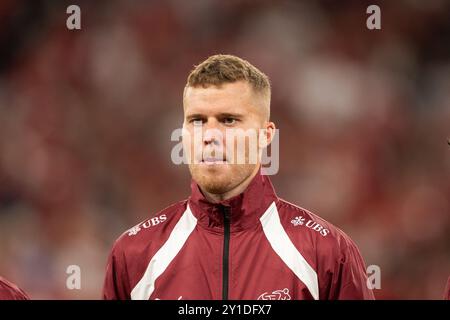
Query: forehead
{"points": [[237, 97]]}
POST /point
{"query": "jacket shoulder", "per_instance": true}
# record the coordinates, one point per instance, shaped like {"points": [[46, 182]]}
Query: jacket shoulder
{"points": [[153, 228], [9, 291], [302, 224], [330, 251]]}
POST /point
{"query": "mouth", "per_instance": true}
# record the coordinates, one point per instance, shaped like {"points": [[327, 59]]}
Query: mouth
{"points": [[213, 161]]}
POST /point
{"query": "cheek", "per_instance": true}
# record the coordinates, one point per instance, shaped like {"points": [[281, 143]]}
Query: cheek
{"points": [[188, 143], [243, 143]]}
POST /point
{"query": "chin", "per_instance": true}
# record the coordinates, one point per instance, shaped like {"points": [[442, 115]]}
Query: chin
{"points": [[212, 179], [219, 179], [214, 187]]}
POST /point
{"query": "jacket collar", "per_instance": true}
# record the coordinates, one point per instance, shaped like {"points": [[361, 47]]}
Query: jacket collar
{"points": [[244, 209]]}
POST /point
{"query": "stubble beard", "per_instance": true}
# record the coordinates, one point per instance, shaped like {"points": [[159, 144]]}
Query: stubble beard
{"points": [[221, 180]]}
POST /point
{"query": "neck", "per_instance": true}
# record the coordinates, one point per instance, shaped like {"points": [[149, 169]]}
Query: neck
{"points": [[216, 198]]}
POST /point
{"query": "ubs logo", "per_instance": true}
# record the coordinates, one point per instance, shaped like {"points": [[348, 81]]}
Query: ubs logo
{"points": [[147, 224], [300, 221]]}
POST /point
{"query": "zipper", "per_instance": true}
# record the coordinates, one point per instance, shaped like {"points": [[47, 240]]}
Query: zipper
{"points": [[226, 251]]}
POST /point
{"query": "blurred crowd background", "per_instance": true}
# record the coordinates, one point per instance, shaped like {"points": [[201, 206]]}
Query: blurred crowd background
{"points": [[86, 118]]}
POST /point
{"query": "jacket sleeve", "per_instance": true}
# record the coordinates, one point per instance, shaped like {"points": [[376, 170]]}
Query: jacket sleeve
{"points": [[9, 291], [349, 278], [116, 285]]}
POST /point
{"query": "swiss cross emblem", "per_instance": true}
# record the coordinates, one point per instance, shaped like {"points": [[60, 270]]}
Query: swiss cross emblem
{"points": [[133, 231], [298, 221]]}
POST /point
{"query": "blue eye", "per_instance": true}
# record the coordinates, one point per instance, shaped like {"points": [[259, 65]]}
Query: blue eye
{"points": [[229, 121], [196, 122]]}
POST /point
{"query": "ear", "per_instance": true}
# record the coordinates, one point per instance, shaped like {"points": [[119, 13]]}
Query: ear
{"points": [[267, 134]]}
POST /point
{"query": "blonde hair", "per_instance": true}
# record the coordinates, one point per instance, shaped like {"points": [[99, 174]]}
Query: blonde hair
{"points": [[224, 68]]}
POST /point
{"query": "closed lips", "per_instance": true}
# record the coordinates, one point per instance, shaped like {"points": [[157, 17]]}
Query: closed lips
{"points": [[213, 160]]}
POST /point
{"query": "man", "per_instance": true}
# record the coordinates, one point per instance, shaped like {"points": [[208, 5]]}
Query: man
{"points": [[9, 291], [233, 238]]}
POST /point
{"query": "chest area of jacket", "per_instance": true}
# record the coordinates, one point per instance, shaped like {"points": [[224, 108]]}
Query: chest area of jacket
{"points": [[246, 264]]}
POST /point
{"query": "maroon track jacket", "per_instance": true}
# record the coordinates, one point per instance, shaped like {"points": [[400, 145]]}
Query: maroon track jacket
{"points": [[252, 246], [9, 291]]}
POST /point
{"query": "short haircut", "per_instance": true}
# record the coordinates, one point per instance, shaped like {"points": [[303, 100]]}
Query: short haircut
{"points": [[223, 68]]}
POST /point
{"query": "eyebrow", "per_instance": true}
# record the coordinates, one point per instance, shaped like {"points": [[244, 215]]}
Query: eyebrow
{"points": [[194, 116], [229, 115], [220, 115]]}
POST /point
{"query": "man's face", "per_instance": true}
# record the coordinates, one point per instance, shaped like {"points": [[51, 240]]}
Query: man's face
{"points": [[211, 115]]}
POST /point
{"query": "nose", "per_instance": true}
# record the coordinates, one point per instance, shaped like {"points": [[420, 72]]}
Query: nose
{"points": [[209, 137], [211, 133]]}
